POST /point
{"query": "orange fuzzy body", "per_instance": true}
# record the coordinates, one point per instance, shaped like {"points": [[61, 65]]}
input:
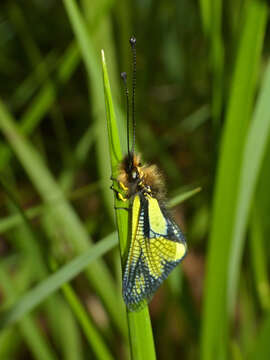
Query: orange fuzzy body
{"points": [[137, 177]]}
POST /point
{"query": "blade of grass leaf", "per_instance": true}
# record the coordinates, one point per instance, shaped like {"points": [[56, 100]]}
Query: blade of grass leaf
{"points": [[104, 34], [90, 57], [44, 99], [70, 339], [217, 59], [261, 349], [47, 95], [95, 340], [80, 155], [259, 259], [31, 333], [30, 85], [214, 342], [91, 63], [211, 15], [253, 154], [25, 34], [44, 289], [115, 154], [66, 179], [30, 250], [206, 12], [139, 324], [36, 342], [10, 341], [247, 329], [64, 216], [7, 223], [193, 121], [178, 199]]}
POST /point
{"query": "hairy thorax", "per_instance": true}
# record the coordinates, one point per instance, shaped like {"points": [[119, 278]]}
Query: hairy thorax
{"points": [[141, 178]]}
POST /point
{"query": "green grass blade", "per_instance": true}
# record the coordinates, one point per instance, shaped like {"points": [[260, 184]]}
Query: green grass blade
{"points": [[90, 57], [259, 259], [261, 350], [35, 296], [96, 342], [69, 334], [114, 141], [193, 121], [178, 199], [7, 223], [89, 52], [246, 337], [44, 99], [139, 324], [61, 213], [10, 340], [47, 95], [36, 342], [31, 333], [211, 15], [30, 251], [217, 57], [84, 42], [206, 12], [215, 340], [31, 84], [254, 151]]}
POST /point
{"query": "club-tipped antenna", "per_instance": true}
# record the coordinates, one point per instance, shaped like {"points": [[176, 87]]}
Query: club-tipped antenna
{"points": [[124, 78], [132, 42]]}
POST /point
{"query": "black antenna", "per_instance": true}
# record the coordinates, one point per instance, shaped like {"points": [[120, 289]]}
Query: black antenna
{"points": [[132, 42], [124, 78]]}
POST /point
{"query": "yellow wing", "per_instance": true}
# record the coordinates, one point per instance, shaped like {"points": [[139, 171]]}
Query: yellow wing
{"points": [[157, 246]]}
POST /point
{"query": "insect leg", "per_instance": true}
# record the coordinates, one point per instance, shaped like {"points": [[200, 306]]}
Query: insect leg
{"points": [[119, 195], [119, 183], [123, 186]]}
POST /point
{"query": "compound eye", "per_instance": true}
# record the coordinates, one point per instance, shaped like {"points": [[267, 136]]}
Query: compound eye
{"points": [[134, 174]]}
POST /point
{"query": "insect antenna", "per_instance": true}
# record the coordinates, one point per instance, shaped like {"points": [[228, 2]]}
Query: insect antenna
{"points": [[132, 42], [124, 78]]}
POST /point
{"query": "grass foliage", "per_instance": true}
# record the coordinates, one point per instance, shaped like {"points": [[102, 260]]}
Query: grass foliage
{"points": [[203, 115]]}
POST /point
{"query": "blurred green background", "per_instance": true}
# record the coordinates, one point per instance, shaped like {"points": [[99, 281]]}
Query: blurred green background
{"points": [[203, 115]]}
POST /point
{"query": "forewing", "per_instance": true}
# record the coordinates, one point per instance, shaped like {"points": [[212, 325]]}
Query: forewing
{"points": [[157, 246], [136, 277]]}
